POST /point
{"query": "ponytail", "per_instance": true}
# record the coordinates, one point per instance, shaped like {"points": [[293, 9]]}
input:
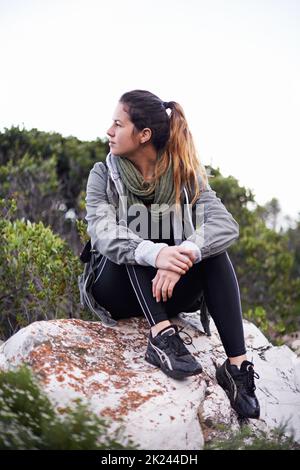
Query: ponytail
{"points": [[181, 148]]}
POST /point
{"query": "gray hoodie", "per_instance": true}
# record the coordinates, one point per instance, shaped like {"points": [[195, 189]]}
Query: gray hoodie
{"points": [[207, 227]]}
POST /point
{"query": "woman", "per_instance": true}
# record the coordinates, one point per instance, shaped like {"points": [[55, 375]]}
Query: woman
{"points": [[160, 235]]}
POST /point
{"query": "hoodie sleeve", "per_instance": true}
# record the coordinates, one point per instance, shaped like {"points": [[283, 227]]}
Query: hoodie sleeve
{"points": [[215, 230], [117, 242]]}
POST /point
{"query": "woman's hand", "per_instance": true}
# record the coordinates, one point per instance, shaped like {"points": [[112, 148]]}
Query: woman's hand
{"points": [[163, 284], [175, 258]]}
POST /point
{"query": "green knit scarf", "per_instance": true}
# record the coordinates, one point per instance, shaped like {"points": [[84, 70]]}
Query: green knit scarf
{"points": [[139, 191]]}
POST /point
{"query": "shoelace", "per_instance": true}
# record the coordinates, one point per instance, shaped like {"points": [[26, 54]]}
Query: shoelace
{"points": [[177, 343], [247, 378]]}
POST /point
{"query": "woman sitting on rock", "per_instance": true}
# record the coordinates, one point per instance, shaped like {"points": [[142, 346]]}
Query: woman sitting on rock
{"points": [[160, 235]]}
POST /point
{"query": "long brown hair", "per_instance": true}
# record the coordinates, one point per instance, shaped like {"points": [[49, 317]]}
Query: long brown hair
{"points": [[170, 134]]}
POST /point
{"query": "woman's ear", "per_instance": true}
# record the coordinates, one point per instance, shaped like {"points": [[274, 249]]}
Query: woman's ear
{"points": [[146, 135]]}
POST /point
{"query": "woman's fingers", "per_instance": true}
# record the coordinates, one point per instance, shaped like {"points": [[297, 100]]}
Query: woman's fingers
{"points": [[181, 265], [176, 269], [158, 289], [154, 282], [184, 259], [190, 253], [164, 290], [169, 257], [162, 286], [170, 289]]}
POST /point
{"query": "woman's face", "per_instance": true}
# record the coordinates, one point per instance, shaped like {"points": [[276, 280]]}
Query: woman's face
{"points": [[122, 140]]}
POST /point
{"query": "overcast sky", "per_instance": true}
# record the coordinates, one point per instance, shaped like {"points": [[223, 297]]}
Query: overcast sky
{"points": [[234, 66]]}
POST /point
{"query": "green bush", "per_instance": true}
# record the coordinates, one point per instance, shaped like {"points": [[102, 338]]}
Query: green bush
{"points": [[34, 185], [248, 439], [74, 157], [38, 276], [263, 260], [28, 420], [263, 264], [47, 173]]}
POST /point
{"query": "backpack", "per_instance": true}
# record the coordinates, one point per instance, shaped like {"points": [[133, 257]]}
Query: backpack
{"points": [[85, 283]]}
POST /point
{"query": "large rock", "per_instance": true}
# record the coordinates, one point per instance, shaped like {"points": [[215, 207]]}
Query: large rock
{"points": [[106, 368]]}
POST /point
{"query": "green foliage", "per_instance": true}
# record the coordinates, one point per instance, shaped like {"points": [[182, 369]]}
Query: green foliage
{"points": [[47, 174], [75, 158], [34, 185], [236, 198], [293, 234], [28, 420], [248, 439], [81, 224], [81, 228], [38, 275], [8, 209], [258, 316], [263, 261], [269, 213]]}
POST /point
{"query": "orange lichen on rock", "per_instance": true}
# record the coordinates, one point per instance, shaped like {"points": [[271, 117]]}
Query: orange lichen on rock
{"points": [[130, 401]]}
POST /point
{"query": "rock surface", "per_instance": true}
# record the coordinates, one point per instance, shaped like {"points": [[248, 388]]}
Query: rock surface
{"points": [[293, 341], [106, 368]]}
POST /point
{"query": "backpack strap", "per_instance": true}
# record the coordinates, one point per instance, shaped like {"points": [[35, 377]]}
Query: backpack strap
{"points": [[85, 255], [204, 315]]}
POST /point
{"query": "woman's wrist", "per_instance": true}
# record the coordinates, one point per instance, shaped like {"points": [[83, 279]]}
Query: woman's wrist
{"points": [[147, 252], [192, 246]]}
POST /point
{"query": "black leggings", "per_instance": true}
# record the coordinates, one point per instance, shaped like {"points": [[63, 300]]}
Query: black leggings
{"points": [[126, 291]]}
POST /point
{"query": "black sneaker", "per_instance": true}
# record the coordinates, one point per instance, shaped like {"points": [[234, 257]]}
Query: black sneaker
{"points": [[239, 387], [167, 351]]}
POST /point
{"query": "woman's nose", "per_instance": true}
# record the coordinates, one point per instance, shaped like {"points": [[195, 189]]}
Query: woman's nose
{"points": [[109, 132]]}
